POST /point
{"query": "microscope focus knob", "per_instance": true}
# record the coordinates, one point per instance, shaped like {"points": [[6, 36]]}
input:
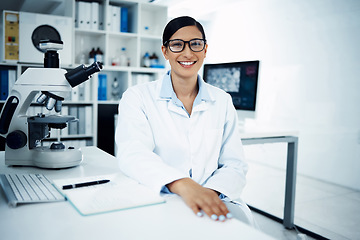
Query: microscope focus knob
{"points": [[16, 139]]}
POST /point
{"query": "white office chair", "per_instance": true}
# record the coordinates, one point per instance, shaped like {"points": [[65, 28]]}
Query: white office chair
{"points": [[241, 212]]}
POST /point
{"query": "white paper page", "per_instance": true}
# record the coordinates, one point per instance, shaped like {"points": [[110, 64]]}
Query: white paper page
{"points": [[120, 193]]}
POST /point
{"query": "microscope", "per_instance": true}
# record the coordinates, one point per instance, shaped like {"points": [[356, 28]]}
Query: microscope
{"points": [[24, 134]]}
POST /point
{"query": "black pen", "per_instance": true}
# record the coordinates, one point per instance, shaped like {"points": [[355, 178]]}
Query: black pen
{"points": [[85, 184]]}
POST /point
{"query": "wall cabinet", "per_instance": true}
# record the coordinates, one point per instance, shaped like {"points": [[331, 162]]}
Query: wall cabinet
{"points": [[145, 23]]}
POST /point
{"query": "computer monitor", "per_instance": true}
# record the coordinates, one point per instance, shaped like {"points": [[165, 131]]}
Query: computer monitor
{"points": [[240, 80]]}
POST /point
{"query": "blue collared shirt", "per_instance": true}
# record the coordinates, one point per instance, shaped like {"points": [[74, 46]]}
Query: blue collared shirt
{"points": [[167, 92]]}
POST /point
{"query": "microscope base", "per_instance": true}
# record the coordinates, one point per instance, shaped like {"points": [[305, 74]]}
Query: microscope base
{"points": [[44, 157]]}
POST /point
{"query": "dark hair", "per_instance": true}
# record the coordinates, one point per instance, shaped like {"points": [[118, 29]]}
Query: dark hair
{"points": [[180, 22]]}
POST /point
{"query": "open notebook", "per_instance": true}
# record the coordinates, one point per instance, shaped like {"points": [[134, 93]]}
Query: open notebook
{"points": [[118, 194]]}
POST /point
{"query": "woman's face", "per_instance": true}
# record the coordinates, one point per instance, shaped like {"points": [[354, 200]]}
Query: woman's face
{"points": [[185, 64]]}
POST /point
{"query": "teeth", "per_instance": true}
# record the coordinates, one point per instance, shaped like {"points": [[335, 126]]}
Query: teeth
{"points": [[187, 63]]}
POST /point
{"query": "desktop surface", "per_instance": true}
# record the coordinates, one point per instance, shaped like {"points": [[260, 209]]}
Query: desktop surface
{"points": [[252, 130], [59, 220]]}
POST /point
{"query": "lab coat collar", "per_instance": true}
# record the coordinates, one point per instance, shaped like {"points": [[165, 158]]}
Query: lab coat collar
{"points": [[167, 92], [166, 89]]}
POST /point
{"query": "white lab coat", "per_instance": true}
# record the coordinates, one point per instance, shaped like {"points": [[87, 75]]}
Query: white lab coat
{"points": [[158, 142]]}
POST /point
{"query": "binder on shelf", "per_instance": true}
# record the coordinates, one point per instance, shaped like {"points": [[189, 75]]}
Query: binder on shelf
{"points": [[73, 126], [88, 122], [75, 94], [115, 18], [82, 119], [102, 20], [109, 18], [4, 87], [7, 79], [77, 14], [124, 19], [94, 16], [81, 92], [12, 79], [102, 87], [87, 13], [87, 91], [80, 13]]}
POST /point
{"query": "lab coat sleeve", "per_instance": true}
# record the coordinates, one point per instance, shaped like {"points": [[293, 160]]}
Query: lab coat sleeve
{"points": [[230, 177], [135, 145]]}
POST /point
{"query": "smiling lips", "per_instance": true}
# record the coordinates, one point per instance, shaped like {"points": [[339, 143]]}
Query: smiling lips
{"points": [[187, 64]]}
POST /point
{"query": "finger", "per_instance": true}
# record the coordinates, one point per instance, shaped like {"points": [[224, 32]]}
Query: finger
{"points": [[223, 208], [218, 214], [197, 210], [212, 209], [208, 211], [219, 210], [224, 211]]}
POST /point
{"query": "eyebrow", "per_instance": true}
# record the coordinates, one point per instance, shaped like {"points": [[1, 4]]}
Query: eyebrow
{"points": [[184, 40]]}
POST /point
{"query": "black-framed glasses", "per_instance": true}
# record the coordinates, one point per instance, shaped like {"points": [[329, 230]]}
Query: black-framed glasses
{"points": [[177, 45]]}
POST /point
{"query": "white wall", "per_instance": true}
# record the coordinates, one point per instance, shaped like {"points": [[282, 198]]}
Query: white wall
{"points": [[309, 53]]}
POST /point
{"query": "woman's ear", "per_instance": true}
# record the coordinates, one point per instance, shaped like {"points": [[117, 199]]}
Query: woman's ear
{"points": [[205, 50], [164, 51]]}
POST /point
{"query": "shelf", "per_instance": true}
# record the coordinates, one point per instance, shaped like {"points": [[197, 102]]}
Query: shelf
{"points": [[145, 25], [89, 32], [78, 103], [109, 102], [133, 69], [123, 34]]}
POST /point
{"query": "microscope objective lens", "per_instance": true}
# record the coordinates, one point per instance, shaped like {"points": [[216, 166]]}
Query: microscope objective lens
{"points": [[58, 106], [50, 104], [41, 99]]}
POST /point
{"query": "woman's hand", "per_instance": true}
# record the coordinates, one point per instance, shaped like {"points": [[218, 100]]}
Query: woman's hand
{"points": [[199, 198]]}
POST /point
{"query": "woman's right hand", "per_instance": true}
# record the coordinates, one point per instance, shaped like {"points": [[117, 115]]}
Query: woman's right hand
{"points": [[199, 198]]}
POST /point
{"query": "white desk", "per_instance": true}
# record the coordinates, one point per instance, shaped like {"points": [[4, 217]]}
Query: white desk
{"points": [[260, 137], [171, 220]]}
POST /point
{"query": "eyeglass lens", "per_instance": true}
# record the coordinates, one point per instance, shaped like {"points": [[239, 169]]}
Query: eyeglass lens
{"points": [[196, 45]]}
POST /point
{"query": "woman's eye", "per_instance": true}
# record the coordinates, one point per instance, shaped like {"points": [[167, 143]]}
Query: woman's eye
{"points": [[176, 44], [196, 43]]}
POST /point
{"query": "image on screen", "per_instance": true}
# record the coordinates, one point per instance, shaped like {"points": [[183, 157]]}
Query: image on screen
{"points": [[227, 79]]}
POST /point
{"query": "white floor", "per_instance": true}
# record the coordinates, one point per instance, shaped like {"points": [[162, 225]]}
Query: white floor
{"points": [[328, 210], [276, 229]]}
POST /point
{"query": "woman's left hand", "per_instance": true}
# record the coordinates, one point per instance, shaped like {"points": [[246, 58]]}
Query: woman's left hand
{"points": [[199, 198]]}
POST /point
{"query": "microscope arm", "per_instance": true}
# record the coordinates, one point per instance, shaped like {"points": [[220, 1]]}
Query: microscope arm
{"points": [[7, 113]]}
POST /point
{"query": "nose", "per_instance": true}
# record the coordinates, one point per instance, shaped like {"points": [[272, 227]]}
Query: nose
{"points": [[187, 51]]}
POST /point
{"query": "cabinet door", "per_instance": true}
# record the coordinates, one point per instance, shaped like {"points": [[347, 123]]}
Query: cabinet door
{"points": [[106, 127]]}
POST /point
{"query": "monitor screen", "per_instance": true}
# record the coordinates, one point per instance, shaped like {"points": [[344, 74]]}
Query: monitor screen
{"points": [[239, 79]]}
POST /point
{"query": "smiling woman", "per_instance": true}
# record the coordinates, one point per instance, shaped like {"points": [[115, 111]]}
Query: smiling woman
{"points": [[179, 134], [186, 50]]}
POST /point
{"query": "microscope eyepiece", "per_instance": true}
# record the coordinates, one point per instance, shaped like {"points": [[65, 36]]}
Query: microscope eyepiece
{"points": [[81, 73]]}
